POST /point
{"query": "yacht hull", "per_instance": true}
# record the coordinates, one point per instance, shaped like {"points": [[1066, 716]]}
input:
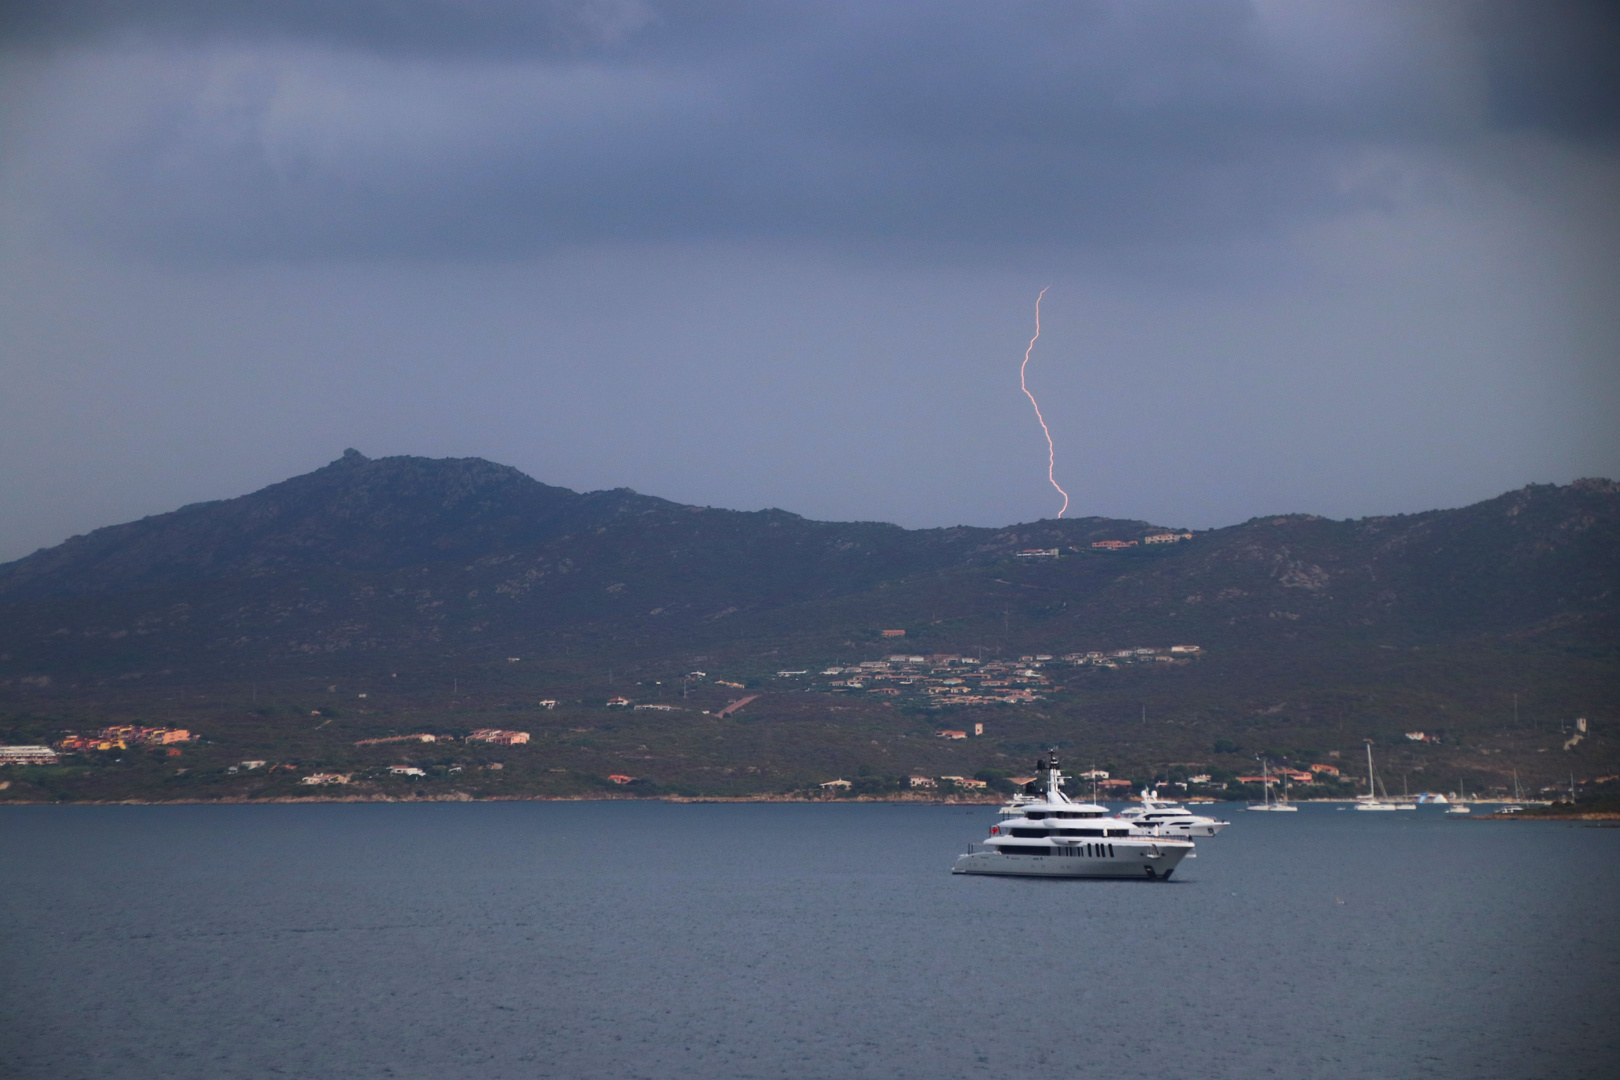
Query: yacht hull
{"points": [[1149, 863]]}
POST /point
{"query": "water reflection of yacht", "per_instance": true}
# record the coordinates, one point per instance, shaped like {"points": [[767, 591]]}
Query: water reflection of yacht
{"points": [[1170, 819], [1043, 833]]}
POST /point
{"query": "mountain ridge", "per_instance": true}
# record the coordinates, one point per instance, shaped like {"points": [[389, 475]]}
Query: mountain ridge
{"points": [[456, 594], [343, 497], [1526, 556]]}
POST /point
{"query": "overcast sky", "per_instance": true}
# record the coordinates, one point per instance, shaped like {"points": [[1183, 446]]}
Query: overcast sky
{"points": [[1334, 258]]}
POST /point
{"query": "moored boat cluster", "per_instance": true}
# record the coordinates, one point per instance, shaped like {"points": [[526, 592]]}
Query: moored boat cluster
{"points": [[1044, 833]]}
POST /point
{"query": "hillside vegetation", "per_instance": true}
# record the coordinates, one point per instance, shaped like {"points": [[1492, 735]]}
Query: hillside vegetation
{"points": [[456, 595]]}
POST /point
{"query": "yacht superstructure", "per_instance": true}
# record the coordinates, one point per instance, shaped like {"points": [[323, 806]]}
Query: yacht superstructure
{"points": [[1170, 819], [1043, 833]]}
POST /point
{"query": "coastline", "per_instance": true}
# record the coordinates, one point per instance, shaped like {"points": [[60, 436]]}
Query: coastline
{"points": [[907, 799], [466, 797], [1590, 815]]}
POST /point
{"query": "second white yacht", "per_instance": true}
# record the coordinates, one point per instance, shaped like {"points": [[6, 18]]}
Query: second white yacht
{"points": [[1042, 833], [1170, 819]]}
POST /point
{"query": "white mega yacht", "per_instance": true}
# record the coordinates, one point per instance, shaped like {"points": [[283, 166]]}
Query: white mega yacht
{"points": [[1169, 819], [1042, 833]]}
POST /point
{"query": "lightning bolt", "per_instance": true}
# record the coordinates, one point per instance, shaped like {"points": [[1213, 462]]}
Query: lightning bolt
{"points": [[1051, 453]]}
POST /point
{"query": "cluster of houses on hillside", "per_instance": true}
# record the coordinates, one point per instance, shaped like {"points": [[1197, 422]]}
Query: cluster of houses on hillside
{"points": [[1278, 776], [118, 737], [949, 679], [1107, 545], [493, 736], [1157, 538], [123, 736]]}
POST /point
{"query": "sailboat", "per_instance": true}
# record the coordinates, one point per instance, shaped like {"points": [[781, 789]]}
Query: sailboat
{"points": [[1460, 806], [1274, 805], [1514, 807], [1371, 801]]}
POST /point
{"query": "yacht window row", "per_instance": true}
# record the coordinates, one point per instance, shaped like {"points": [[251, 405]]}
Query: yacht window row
{"points": [[1093, 851], [1037, 815]]}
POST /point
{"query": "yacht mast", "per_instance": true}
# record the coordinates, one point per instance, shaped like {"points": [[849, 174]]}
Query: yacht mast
{"points": [[1053, 778]]}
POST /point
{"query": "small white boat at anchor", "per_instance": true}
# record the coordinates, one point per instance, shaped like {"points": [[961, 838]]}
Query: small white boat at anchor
{"points": [[1043, 833], [1459, 805]]}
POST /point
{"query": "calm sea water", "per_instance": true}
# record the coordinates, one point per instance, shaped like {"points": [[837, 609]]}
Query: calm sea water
{"points": [[651, 940]]}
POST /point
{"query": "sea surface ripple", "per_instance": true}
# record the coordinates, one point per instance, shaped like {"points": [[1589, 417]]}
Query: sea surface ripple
{"points": [[644, 939]]}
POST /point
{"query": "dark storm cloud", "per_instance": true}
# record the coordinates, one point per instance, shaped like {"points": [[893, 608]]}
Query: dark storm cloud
{"points": [[1554, 65], [1304, 254], [437, 127], [414, 27]]}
